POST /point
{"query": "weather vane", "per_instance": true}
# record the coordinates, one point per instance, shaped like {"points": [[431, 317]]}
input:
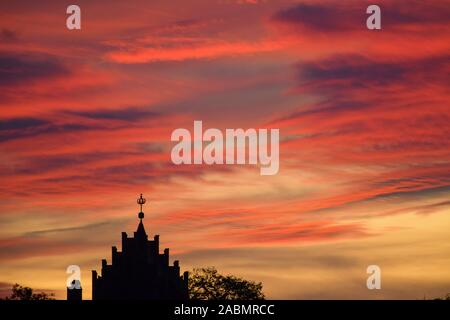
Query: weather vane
{"points": [[141, 201]]}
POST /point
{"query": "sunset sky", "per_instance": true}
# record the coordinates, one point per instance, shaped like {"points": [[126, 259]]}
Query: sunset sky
{"points": [[364, 118]]}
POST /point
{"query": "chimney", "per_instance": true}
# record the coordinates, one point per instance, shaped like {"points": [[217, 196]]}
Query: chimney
{"points": [[166, 256], [124, 241], [114, 255]]}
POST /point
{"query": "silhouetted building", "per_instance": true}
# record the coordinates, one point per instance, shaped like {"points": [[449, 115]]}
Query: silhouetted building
{"points": [[76, 292], [139, 272]]}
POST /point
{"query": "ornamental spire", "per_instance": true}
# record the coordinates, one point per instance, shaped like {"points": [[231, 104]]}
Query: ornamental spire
{"points": [[141, 202]]}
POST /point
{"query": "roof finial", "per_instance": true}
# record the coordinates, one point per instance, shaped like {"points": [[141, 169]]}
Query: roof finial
{"points": [[141, 201]]}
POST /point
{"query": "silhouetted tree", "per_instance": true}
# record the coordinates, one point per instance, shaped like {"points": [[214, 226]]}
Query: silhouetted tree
{"points": [[208, 284], [26, 293]]}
